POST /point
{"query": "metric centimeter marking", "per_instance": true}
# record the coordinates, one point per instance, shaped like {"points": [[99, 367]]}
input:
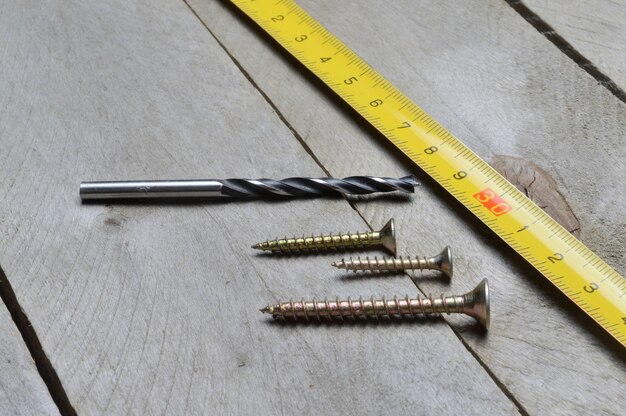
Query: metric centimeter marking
{"points": [[587, 280]]}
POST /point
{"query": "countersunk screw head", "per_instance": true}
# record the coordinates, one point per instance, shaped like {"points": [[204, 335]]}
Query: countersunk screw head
{"points": [[388, 236], [477, 303], [444, 261]]}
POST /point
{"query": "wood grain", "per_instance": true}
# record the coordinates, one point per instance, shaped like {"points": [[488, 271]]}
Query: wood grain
{"points": [[595, 28], [153, 308], [540, 187], [22, 391], [501, 87]]}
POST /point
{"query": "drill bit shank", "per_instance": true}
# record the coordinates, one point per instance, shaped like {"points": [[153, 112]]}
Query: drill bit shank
{"points": [[245, 188]]}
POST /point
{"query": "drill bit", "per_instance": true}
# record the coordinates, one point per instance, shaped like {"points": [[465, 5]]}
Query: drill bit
{"points": [[245, 188]]}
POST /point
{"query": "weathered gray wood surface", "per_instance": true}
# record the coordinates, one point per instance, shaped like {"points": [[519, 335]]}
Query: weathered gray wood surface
{"points": [[22, 392], [595, 28], [498, 84], [146, 308]]}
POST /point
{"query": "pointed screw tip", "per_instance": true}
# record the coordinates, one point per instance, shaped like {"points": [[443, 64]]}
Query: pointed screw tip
{"points": [[266, 309]]}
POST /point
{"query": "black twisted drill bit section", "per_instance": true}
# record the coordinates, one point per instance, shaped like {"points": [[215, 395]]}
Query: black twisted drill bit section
{"points": [[293, 187]]}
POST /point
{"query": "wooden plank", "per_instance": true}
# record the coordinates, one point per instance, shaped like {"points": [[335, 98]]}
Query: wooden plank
{"points": [[595, 28], [22, 391], [146, 308], [501, 87]]}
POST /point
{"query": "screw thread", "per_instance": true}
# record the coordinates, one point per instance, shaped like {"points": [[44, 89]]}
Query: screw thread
{"points": [[367, 308], [320, 242], [388, 264]]}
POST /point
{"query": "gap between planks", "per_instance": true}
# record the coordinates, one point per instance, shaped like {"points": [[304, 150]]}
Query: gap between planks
{"points": [[513, 375], [280, 115], [567, 48], [306, 147], [44, 367]]}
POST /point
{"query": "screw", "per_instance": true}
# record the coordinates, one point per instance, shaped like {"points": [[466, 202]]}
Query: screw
{"points": [[474, 304], [441, 262], [385, 237]]}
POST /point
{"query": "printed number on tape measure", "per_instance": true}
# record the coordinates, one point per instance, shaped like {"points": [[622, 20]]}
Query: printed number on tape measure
{"points": [[580, 274]]}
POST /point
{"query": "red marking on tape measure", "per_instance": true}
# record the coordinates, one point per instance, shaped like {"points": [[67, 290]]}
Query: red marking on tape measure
{"points": [[493, 202]]}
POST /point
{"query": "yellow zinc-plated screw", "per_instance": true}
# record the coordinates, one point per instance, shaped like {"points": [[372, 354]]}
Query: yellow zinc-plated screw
{"points": [[441, 262], [474, 304], [385, 237]]}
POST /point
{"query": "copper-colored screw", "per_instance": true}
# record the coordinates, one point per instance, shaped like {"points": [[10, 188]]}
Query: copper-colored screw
{"points": [[441, 262], [474, 304], [385, 237]]}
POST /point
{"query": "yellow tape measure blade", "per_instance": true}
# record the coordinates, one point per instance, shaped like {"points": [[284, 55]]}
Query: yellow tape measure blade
{"points": [[587, 280]]}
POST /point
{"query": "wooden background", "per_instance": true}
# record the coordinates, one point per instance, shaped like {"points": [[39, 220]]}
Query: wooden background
{"points": [[153, 308]]}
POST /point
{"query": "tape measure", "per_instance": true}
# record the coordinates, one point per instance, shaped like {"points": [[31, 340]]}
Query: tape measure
{"points": [[579, 273]]}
